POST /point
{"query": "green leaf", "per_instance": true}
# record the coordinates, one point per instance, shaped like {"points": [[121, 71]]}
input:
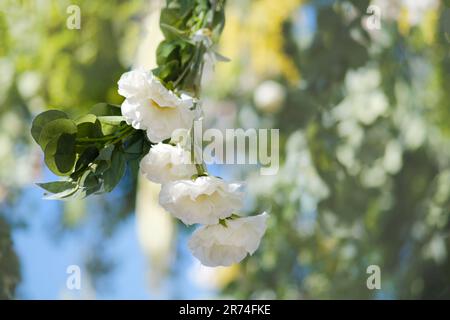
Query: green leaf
{"points": [[59, 190], [112, 176], [101, 166], [69, 193], [91, 184], [166, 51], [57, 186], [60, 154], [90, 117], [87, 157], [185, 5], [109, 123], [111, 120], [218, 24], [170, 17], [106, 109], [89, 126], [53, 129], [42, 119], [169, 71], [106, 153], [136, 146], [170, 32], [187, 53]]}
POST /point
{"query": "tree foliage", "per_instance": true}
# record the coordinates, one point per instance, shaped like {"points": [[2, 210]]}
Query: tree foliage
{"points": [[365, 173]]}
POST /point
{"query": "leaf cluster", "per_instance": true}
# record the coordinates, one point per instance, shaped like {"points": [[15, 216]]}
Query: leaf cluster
{"points": [[91, 151], [179, 57]]}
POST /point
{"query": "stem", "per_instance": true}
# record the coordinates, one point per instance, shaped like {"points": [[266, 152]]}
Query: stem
{"points": [[125, 134], [201, 170], [183, 74], [213, 9], [194, 70], [104, 138]]}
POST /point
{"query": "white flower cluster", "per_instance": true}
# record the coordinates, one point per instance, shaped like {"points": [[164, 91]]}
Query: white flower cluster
{"points": [[224, 238]]}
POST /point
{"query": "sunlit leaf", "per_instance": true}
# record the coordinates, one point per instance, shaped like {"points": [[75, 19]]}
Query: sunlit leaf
{"points": [[44, 118]]}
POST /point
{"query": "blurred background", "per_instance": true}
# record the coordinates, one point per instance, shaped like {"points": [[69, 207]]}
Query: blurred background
{"points": [[360, 92]]}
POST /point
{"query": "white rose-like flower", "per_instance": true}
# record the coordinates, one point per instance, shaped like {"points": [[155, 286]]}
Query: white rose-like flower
{"points": [[165, 163], [218, 245], [204, 200], [152, 107]]}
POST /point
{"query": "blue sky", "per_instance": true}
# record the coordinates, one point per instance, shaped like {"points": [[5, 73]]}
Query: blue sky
{"points": [[45, 255]]}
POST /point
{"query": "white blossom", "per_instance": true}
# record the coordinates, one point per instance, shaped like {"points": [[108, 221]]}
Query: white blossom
{"points": [[152, 107], [165, 163], [204, 200], [219, 245]]}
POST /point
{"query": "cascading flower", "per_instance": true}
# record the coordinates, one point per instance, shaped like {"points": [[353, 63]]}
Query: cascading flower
{"points": [[228, 243], [205, 200], [150, 106], [165, 163], [187, 192]]}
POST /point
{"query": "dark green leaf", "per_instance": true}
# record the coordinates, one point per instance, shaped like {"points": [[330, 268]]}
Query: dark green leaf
{"points": [[101, 166], [67, 194], [105, 153], [89, 128], [57, 186], [91, 183], [113, 175], [165, 50], [42, 119], [53, 129], [59, 190], [169, 71], [60, 154], [173, 33], [135, 144], [86, 158], [109, 123]]}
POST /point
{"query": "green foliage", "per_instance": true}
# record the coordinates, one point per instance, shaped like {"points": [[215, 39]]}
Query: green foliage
{"points": [[60, 154], [91, 151], [45, 64], [336, 205], [42, 119], [179, 57]]}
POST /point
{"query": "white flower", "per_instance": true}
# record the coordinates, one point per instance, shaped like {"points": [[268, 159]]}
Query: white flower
{"points": [[150, 106], [204, 200], [165, 163], [218, 245]]}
